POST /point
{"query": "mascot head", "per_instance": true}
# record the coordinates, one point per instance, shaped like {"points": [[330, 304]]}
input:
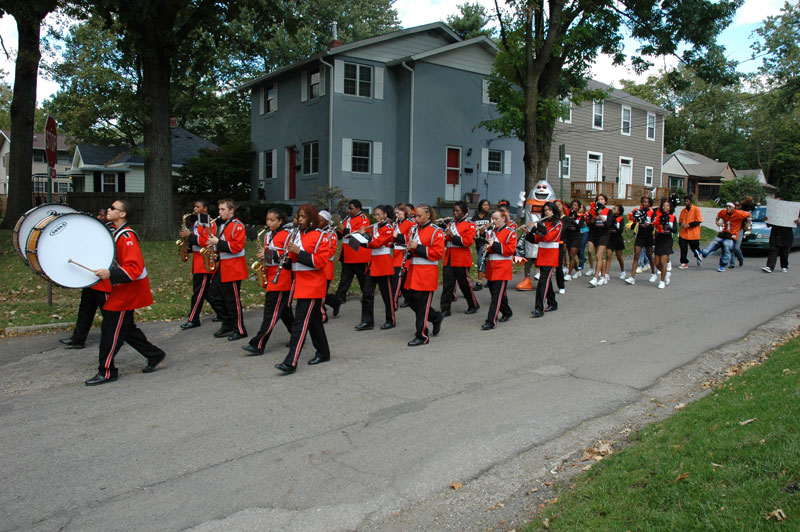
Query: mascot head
{"points": [[542, 192]]}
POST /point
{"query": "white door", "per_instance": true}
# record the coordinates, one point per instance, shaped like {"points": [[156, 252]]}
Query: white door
{"points": [[452, 186], [625, 176]]}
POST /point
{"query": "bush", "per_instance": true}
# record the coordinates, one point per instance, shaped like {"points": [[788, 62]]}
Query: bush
{"points": [[331, 199], [740, 188]]}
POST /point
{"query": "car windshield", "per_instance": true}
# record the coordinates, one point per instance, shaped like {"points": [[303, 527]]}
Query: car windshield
{"points": [[759, 213]]}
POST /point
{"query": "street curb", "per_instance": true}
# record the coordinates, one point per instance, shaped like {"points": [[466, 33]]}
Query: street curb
{"points": [[36, 328]]}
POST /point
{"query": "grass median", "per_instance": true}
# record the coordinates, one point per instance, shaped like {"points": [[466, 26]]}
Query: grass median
{"points": [[728, 462]]}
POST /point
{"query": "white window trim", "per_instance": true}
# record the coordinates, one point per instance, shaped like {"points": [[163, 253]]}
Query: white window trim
{"points": [[619, 174], [568, 120], [569, 166], [303, 161], [262, 171], [600, 177], [502, 162], [485, 98], [594, 113], [371, 159], [376, 88], [647, 127], [650, 184], [264, 92], [103, 181], [622, 120]]}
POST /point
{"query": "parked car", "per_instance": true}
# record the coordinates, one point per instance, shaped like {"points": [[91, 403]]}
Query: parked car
{"points": [[757, 238]]}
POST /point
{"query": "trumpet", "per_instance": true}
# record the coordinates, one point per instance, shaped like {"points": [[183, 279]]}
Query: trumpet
{"points": [[209, 252], [183, 243], [485, 251], [260, 265]]}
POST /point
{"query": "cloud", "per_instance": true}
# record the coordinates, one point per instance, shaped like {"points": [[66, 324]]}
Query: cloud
{"points": [[416, 13], [755, 11]]}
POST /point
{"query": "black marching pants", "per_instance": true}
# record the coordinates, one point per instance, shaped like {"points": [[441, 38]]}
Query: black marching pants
{"points": [[233, 319], [277, 306], [398, 280], [349, 270], [307, 319], [685, 245], [204, 289], [368, 298], [559, 271], [421, 304], [499, 304], [91, 300], [118, 328], [450, 276], [544, 289], [774, 253]]}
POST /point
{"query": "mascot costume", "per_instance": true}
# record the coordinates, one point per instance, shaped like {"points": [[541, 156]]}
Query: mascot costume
{"points": [[532, 207]]}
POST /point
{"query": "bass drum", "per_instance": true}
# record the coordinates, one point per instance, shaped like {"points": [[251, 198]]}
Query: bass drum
{"points": [[77, 236], [28, 221]]}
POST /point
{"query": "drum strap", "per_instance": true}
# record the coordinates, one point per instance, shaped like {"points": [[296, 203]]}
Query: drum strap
{"points": [[122, 230]]}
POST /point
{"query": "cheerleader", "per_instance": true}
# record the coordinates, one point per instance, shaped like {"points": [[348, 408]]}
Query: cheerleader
{"points": [[501, 246], [426, 245], [403, 222], [571, 233], [380, 270], [666, 226], [600, 218], [278, 298], [459, 235], [616, 244], [547, 234], [309, 251], [643, 218], [483, 220]]}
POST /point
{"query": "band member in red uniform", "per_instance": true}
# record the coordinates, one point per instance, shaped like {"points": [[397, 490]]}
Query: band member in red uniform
{"points": [[483, 221], [403, 222], [330, 268], [202, 287], [278, 298], [426, 245], [130, 289], [599, 218], [547, 234], [353, 262], [459, 236], [232, 270], [309, 251], [666, 226], [502, 243], [380, 270]]}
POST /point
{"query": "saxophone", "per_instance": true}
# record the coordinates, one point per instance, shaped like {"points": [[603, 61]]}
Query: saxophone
{"points": [[260, 265], [183, 243], [209, 252]]}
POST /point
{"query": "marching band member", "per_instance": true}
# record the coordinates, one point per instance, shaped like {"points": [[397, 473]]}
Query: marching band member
{"points": [[278, 297], [501, 244], [643, 218], [482, 221], [130, 289], [232, 270], [380, 270], [616, 244], [426, 246], [547, 235], [600, 220], [459, 236], [203, 289], [353, 262], [666, 225], [309, 251], [404, 221], [330, 268]]}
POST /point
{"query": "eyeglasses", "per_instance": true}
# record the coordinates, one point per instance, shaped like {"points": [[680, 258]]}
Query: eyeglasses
{"points": [[112, 208]]}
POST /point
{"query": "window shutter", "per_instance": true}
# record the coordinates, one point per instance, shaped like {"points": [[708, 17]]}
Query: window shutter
{"points": [[338, 76], [275, 102], [121, 182], [378, 83], [347, 155], [262, 165], [274, 164], [485, 91], [507, 162], [98, 182], [322, 80], [377, 154], [262, 94], [484, 159], [304, 86]]}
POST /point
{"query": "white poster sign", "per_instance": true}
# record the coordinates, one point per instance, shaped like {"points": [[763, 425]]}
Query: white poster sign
{"points": [[782, 213]]}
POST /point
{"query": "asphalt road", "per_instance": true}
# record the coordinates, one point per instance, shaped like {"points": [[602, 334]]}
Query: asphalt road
{"points": [[215, 440]]}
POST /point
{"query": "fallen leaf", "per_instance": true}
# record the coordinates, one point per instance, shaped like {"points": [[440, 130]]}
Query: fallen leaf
{"points": [[587, 467], [777, 514], [456, 485], [682, 476], [534, 490], [716, 465], [747, 421]]}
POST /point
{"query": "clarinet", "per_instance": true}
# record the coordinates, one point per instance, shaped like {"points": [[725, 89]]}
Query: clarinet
{"points": [[485, 253], [285, 257]]}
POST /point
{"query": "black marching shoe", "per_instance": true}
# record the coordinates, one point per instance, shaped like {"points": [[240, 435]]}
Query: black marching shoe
{"points": [[152, 363], [417, 341], [477, 286], [252, 351], [505, 317], [437, 325], [537, 313], [72, 344], [100, 379], [318, 360], [551, 308], [336, 307], [236, 336], [364, 326], [223, 332], [387, 325], [284, 368], [189, 325], [446, 313], [487, 326], [472, 310]]}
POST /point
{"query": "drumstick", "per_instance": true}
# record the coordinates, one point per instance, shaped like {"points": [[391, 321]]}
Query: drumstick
{"points": [[81, 265]]}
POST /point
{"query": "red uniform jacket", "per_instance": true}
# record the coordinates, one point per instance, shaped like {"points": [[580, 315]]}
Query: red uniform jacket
{"points": [[352, 224], [309, 265], [458, 252], [198, 240], [232, 262], [423, 273], [501, 254], [130, 287], [382, 261], [403, 229], [331, 267], [274, 249], [548, 244]]}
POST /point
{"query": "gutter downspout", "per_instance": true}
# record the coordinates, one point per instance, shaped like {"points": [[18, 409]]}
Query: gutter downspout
{"points": [[330, 124], [410, 135]]}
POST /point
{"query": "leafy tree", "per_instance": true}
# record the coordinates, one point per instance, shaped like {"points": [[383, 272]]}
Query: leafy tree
{"points": [[738, 189], [221, 173], [546, 49], [5, 104], [331, 199], [471, 21]]}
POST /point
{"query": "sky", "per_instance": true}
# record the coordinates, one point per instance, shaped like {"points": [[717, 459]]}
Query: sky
{"points": [[736, 39]]}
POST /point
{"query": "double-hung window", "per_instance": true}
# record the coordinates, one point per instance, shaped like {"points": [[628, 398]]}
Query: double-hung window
{"points": [[597, 115], [313, 83], [626, 120], [651, 126], [648, 176], [358, 80], [495, 161], [361, 156], [311, 157], [270, 98]]}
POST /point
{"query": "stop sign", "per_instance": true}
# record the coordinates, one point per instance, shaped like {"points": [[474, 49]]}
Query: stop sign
{"points": [[51, 141]]}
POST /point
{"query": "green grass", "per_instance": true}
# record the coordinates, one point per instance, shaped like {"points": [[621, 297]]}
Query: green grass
{"points": [[702, 469]]}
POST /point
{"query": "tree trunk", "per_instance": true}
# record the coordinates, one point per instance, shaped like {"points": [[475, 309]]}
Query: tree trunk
{"points": [[23, 107], [158, 223]]}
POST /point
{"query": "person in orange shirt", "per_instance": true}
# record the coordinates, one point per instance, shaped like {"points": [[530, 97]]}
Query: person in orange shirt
{"points": [[232, 270], [729, 221], [689, 236]]}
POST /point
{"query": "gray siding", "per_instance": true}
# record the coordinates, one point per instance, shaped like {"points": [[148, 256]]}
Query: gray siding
{"points": [[401, 47], [470, 58]]}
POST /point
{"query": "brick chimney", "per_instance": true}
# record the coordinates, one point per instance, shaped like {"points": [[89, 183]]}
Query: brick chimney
{"points": [[335, 42]]}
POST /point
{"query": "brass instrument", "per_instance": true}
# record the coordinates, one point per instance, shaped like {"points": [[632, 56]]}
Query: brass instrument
{"points": [[260, 265], [486, 248], [209, 252], [183, 243], [285, 256]]}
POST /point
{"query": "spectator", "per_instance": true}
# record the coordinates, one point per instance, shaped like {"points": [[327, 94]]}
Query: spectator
{"points": [[780, 243], [729, 221], [689, 236]]}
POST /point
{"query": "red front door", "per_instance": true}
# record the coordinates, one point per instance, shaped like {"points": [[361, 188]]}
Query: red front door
{"points": [[292, 173]]}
